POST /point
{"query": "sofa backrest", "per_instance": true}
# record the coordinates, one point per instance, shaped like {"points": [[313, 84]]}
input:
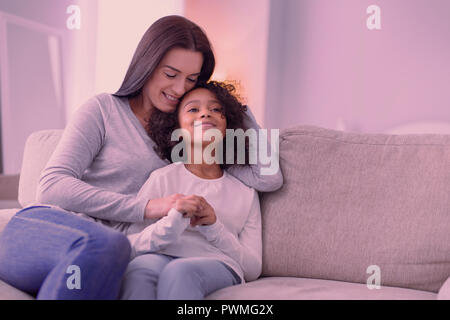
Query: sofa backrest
{"points": [[349, 201], [360, 207], [38, 149]]}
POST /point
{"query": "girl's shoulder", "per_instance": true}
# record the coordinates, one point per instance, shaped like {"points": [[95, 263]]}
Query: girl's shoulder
{"points": [[238, 185]]}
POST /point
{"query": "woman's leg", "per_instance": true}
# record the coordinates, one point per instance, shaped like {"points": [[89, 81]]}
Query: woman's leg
{"points": [[58, 255], [141, 277], [193, 279]]}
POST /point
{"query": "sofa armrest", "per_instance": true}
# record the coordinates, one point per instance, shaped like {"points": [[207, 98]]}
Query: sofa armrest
{"points": [[9, 186], [444, 291]]}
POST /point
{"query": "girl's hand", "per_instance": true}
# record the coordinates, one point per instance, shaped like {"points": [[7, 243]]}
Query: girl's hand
{"points": [[189, 205], [158, 208], [204, 217]]}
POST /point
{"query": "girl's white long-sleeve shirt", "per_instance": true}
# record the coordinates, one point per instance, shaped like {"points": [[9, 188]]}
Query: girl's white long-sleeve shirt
{"points": [[234, 239]]}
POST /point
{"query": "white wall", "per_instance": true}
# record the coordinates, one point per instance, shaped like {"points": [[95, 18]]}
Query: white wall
{"points": [[120, 26], [40, 83], [238, 31], [326, 68], [94, 59], [81, 57]]}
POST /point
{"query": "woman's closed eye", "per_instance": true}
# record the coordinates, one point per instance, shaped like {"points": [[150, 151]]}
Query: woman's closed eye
{"points": [[169, 75], [193, 109]]}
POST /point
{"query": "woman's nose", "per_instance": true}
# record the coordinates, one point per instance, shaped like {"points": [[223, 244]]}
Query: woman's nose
{"points": [[179, 88], [205, 114]]}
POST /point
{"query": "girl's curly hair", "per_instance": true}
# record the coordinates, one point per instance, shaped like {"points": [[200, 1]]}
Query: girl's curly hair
{"points": [[161, 124]]}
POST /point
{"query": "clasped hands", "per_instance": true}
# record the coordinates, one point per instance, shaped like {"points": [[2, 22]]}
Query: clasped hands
{"points": [[194, 207]]}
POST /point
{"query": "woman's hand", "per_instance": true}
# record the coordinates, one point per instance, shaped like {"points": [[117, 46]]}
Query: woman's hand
{"points": [[158, 208], [206, 216]]}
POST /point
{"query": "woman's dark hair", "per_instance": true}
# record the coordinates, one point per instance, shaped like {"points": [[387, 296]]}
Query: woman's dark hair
{"points": [[166, 33], [161, 124]]}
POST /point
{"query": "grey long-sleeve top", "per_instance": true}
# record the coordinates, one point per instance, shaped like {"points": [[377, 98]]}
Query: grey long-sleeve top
{"points": [[103, 159]]}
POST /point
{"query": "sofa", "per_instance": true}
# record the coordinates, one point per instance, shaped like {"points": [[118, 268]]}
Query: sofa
{"points": [[360, 216]]}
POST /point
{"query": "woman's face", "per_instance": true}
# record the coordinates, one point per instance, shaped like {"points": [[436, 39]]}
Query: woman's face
{"points": [[200, 107], [176, 74]]}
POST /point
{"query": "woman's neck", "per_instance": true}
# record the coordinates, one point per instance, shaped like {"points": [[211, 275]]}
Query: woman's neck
{"points": [[205, 171], [141, 109]]}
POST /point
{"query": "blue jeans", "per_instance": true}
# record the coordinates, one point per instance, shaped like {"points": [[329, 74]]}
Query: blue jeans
{"points": [[162, 277], [53, 254]]}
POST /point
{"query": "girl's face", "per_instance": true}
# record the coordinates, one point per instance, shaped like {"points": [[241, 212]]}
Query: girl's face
{"points": [[176, 74], [202, 107]]}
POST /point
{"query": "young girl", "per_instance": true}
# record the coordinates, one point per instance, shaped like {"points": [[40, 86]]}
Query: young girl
{"points": [[211, 238]]}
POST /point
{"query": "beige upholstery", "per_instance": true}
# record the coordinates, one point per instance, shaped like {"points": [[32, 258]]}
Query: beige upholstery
{"points": [[354, 201], [290, 288], [38, 149], [349, 201]]}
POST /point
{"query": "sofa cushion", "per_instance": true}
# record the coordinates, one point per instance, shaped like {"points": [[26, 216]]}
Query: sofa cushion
{"points": [[286, 288], [444, 291], [8, 292], [38, 149], [350, 201]]}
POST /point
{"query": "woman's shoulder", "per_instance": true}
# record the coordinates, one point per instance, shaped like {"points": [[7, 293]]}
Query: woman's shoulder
{"points": [[100, 105], [104, 100]]}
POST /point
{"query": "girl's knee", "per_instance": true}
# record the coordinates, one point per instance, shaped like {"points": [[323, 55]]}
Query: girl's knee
{"points": [[180, 279], [153, 263], [141, 277], [138, 263], [180, 270]]}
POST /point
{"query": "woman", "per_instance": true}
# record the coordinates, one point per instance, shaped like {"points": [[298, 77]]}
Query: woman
{"points": [[102, 160], [221, 246]]}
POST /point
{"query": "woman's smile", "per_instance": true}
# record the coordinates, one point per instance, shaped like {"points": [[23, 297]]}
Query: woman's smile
{"points": [[170, 99]]}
